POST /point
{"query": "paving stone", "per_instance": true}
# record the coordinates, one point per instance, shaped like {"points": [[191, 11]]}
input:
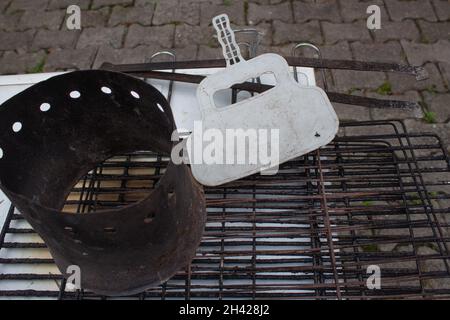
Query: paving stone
{"points": [[183, 54], [101, 36], [206, 52], [42, 19], [159, 35], [321, 76], [440, 174], [442, 9], [356, 31], [27, 5], [351, 113], [243, 38], [389, 114], [94, 18], [70, 59], [401, 82], [369, 130], [265, 30], [101, 3], [440, 105], [259, 13], [186, 35], [405, 30], [287, 33], [16, 40], [64, 4], [265, 2], [235, 11], [432, 31], [346, 80], [285, 50], [14, 63], [352, 10], [418, 53], [444, 204], [441, 129], [143, 3], [441, 50], [417, 9], [48, 39], [140, 54], [129, 15], [10, 22], [323, 10], [4, 4], [386, 52], [177, 11], [445, 69], [433, 265], [339, 51]]}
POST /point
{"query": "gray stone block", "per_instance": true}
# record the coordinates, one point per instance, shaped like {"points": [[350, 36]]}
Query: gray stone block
{"points": [[176, 11], [414, 9], [323, 10], [261, 13], [288, 33], [129, 15], [162, 36], [70, 59], [95, 37]]}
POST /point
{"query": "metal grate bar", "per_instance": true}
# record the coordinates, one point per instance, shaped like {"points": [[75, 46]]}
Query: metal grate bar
{"points": [[309, 232]]}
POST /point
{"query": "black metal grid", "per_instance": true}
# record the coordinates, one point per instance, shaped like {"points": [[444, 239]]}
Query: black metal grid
{"points": [[308, 232]]}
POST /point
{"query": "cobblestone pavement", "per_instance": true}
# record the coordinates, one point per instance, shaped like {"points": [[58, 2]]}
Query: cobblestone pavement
{"points": [[34, 38]]}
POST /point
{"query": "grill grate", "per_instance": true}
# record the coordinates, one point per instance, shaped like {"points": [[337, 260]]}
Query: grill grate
{"points": [[309, 232]]}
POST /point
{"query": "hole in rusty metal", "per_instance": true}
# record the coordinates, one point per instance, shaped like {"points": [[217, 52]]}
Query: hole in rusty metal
{"points": [[135, 94], [109, 230], [75, 94], [106, 90], [45, 107], [17, 126]]}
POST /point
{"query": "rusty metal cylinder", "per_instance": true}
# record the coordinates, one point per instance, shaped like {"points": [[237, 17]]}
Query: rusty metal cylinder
{"points": [[53, 133]]}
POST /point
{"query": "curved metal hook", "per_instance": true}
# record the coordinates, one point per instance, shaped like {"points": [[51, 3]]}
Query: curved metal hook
{"points": [[174, 59], [254, 44], [315, 48]]}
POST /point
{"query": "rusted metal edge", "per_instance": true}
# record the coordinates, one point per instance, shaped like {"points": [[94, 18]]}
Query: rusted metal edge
{"points": [[161, 232], [259, 88], [419, 72]]}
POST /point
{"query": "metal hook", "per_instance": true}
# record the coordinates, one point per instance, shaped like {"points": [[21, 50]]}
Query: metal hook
{"points": [[310, 45], [174, 59], [254, 43]]}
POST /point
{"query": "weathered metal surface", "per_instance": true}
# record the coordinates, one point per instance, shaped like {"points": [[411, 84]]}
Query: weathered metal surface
{"points": [[268, 237], [258, 87], [419, 72], [93, 116]]}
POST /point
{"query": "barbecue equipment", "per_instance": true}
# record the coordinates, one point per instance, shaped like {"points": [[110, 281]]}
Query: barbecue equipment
{"points": [[378, 195], [303, 115], [56, 131], [419, 72]]}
